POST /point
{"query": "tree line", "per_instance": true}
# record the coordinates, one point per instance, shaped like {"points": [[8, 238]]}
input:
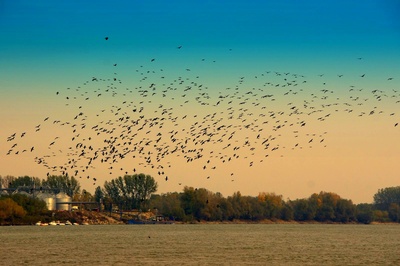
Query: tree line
{"points": [[53, 184], [199, 204]]}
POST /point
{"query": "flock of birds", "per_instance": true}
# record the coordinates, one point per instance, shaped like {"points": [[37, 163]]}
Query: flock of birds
{"points": [[161, 119]]}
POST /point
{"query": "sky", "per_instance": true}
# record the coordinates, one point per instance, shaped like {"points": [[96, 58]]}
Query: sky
{"points": [[262, 96]]}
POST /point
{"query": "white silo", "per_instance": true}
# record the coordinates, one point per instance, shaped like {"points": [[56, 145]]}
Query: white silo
{"points": [[62, 200], [50, 200]]}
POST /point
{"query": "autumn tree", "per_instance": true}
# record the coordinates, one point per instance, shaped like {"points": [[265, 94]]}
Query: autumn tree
{"points": [[9, 210], [272, 203], [32, 205], [394, 212], [380, 216], [325, 204]]}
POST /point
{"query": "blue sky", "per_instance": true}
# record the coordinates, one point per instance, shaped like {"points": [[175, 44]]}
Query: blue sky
{"points": [[37, 36], [73, 26]]}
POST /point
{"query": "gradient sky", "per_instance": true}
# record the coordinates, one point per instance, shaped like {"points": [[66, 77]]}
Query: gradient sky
{"points": [[47, 47]]}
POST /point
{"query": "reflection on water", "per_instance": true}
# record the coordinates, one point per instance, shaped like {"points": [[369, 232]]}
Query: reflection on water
{"points": [[201, 244]]}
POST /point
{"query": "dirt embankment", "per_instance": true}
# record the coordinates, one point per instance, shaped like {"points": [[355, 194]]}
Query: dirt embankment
{"points": [[89, 217]]}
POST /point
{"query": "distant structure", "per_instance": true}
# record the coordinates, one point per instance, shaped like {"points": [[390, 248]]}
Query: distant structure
{"points": [[54, 199], [50, 200], [63, 202]]}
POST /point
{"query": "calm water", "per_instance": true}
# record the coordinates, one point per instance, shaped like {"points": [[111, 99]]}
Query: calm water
{"points": [[250, 244]]}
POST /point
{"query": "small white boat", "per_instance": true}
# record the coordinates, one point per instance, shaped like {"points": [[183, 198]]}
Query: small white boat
{"points": [[38, 223], [68, 222], [52, 223]]}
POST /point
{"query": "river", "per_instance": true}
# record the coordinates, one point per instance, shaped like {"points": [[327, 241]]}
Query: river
{"points": [[201, 244]]}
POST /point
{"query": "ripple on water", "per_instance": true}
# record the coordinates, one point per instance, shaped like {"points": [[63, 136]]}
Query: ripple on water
{"points": [[201, 244]]}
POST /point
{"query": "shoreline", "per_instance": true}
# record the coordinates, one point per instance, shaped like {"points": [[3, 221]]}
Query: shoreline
{"points": [[226, 223], [284, 222], [102, 218]]}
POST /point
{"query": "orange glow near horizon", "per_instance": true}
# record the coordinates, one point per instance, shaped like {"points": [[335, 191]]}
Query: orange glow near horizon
{"points": [[348, 143]]}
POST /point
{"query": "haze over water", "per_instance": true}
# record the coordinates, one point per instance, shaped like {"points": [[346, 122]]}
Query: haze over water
{"points": [[336, 63]]}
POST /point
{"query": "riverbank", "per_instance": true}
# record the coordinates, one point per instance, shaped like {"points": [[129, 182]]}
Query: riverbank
{"points": [[266, 221], [105, 218], [74, 217]]}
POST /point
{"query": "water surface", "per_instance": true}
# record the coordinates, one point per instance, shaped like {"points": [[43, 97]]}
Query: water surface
{"points": [[210, 244]]}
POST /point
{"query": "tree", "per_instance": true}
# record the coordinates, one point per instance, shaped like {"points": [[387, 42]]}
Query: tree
{"points": [[273, 204], [364, 213], [243, 207], [131, 191], [193, 200], [85, 196], [236, 205], [9, 210], [303, 210], [66, 184], [112, 193], [212, 210], [98, 194], [169, 205], [22, 183], [386, 196], [287, 212], [326, 211], [33, 206], [146, 185], [256, 210], [325, 204], [381, 216], [345, 211], [394, 212], [225, 206]]}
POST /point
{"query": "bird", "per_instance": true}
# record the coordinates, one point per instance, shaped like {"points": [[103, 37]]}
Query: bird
{"points": [[234, 125]]}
